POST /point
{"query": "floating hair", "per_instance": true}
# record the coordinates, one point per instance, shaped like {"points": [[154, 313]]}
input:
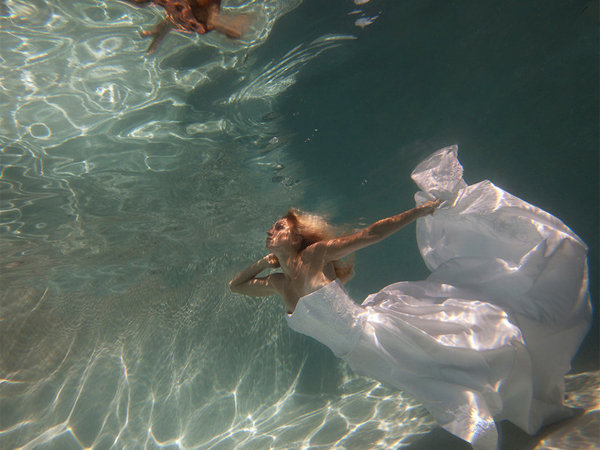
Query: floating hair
{"points": [[315, 228]]}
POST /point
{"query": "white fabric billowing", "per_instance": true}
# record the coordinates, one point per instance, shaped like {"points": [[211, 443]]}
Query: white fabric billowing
{"points": [[491, 332]]}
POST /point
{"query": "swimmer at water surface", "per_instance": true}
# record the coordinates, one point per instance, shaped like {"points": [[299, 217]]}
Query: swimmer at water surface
{"points": [[194, 16]]}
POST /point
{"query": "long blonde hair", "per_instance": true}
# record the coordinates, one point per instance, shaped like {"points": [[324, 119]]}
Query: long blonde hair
{"points": [[314, 228]]}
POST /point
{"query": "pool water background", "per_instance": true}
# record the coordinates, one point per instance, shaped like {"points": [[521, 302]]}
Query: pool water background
{"points": [[134, 188]]}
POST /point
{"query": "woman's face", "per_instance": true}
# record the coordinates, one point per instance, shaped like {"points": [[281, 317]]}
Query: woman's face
{"points": [[281, 234]]}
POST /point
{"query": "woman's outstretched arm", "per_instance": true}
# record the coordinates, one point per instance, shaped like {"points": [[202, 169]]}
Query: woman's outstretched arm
{"points": [[246, 282], [343, 246]]}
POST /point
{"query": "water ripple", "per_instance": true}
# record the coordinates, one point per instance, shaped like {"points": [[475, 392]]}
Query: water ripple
{"points": [[278, 76], [129, 188], [79, 96]]}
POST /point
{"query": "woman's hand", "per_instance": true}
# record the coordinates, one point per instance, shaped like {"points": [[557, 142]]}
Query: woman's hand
{"points": [[429, 207], [271, 261], [248, 283]]}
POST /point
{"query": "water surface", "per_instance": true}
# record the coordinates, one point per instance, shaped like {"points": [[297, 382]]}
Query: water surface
{"points": [[134, 187]]}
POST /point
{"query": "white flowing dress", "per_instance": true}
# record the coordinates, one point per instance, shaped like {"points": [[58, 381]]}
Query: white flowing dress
{"points": [[491, 332]]}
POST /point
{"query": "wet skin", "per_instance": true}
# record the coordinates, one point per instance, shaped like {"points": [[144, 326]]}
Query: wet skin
{"points": [[305, 270], [187, 16]]}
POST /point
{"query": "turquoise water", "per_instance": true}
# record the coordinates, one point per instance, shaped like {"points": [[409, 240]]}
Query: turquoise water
{"points": [[134, 187]]}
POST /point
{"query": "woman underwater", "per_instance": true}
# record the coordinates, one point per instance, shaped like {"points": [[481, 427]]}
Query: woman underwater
{"points": [[489, 335]]}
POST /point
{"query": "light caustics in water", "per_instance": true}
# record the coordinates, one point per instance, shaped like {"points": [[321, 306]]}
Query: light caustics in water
{"points": [[82, 98], [583, 393], [121, 177], [131, 188], [149, 379]]}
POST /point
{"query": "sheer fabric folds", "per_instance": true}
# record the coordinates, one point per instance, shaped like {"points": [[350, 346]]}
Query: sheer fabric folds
{"points": [[491, 332]]}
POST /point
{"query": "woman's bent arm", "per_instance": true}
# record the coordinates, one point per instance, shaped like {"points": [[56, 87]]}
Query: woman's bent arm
{"points": [[343, 246], [246, 282]]}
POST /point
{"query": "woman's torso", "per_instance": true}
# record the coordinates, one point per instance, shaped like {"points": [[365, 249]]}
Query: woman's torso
{"points": [[309, 275]]}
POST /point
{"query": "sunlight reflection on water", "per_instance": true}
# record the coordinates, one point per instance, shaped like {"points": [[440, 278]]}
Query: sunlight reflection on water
{"points": [[117, 195], [126, 181]]}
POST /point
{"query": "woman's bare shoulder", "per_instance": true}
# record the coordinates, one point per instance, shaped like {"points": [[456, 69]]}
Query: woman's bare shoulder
{"points": [[313, 251]]}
